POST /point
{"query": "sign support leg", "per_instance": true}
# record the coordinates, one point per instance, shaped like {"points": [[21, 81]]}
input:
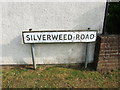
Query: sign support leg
{"points": [[33, 53], [33, 56], [86, 54]]}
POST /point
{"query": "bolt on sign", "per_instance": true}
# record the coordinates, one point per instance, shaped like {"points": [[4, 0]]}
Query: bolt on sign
{"points": [[58, 37]]}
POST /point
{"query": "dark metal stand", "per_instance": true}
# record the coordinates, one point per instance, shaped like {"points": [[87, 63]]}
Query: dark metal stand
{"points": [[33, 54], [86, 54]]}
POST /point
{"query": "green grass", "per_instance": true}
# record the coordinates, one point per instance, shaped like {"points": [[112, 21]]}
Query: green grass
{"points": [[57, 77]]}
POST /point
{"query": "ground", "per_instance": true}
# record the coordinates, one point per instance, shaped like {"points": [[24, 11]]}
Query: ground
{"points": [[50, 76]]}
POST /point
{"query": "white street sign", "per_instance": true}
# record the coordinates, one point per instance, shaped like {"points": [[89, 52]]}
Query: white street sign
{"points": [[58, 37]]}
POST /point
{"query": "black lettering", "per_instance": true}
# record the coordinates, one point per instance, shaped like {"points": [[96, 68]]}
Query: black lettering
{"points": [[34, 37], [82, 36], [65, 36], [87, 36], [44, 37], [28, 38], [91, 36], [69, 36], [55, 37], [31, 38], [77, 37], [39, 37], [60, 37], [48, 37]]}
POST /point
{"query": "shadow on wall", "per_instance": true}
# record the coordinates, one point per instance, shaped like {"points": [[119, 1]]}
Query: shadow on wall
{"points": [[18, 53], [15, 51], [60, 53], [96, 52]]}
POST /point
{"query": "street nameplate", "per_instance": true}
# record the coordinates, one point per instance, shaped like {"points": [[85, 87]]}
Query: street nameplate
{"points": [[58, 36]]}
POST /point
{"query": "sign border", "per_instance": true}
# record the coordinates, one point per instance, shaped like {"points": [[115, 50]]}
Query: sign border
{"points": [[57, 31]]}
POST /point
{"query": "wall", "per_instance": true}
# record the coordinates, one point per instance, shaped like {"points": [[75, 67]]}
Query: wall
{"points": [[109, 53], [19, 16]]}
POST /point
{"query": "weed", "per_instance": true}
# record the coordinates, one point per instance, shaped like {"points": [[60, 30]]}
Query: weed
{"points": [[57, 77]]}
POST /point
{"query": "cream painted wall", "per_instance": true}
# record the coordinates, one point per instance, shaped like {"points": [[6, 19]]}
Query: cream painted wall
{"points": [[18, 16]]}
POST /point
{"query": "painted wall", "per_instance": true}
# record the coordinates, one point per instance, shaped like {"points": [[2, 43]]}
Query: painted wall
{"points": [[18, 16]]}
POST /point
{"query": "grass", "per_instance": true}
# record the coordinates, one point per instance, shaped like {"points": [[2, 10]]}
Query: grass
{"points": [[46, 76]]}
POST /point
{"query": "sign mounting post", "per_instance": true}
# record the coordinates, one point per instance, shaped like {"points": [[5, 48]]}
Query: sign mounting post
{"points": [[34, 37], [33, 53], [86, 52]]}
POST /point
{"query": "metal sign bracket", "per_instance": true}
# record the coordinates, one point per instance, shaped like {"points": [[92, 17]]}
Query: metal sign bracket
{"points": [[90, 37], [86, 53], [33, 53]]}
